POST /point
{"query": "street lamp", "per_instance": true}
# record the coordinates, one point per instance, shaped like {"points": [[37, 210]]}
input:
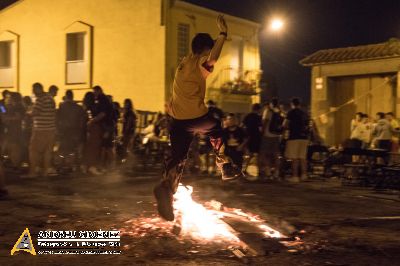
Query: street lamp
{"points": [[276, 24]]}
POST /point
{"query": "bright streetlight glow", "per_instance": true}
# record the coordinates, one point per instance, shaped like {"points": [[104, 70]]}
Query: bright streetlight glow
{"points": [[276, 24]]}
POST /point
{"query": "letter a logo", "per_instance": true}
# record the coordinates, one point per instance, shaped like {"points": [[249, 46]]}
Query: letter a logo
{"points": [[24, 243]]}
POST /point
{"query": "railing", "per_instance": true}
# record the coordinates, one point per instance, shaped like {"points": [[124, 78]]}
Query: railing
{"points": [[235, 81]]}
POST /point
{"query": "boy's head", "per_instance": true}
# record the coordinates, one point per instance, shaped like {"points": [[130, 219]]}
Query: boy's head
{"points": [[365, 118], [295, 102], [69, 95], [256, 108], [274, 103], [53, 90], [201, 43], [37, 89], [359, 116], [230, 120], [380, 115], [390, 116]]}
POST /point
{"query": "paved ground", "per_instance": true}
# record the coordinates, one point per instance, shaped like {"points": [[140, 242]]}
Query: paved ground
{"points": [[339, 225]]}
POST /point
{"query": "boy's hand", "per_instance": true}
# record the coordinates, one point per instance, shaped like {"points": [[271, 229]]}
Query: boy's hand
{"points": [[221, 23]]}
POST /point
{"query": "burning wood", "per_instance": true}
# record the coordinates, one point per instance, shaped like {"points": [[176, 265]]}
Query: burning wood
{"points": [[209, 224]]}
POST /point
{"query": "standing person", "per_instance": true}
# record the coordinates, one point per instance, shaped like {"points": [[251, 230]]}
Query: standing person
{"points": [[362, 132], [3, 127], [13, 121], [5, 94], [253, 125], [106, 117], [270, 145], [93, 141], [27, 125], [70, 125], [235, 140], [357, 120], [382, 133], [214, 111], [396, 127], [190, 116], [44, 130], [366, 136], [297, 122], [128, 125]]}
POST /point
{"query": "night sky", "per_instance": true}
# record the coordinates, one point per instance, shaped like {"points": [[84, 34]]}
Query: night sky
{"points": [[310, 25]]}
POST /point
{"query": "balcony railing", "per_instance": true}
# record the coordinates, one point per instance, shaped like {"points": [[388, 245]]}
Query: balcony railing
{"points": [[234, 81]]}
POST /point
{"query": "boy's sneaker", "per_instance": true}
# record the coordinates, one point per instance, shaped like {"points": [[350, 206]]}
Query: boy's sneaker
{"points": [[231, 172], [164, 199]]}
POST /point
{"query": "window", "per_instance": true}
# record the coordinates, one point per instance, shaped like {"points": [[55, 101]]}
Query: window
{"points": [[76, 46], [7, 68], [183, 40], [5, 54], [76, 58]]}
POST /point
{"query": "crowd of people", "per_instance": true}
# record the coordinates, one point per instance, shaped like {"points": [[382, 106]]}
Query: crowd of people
{"points": [[380, 133], [261, 138], [32, 130]]}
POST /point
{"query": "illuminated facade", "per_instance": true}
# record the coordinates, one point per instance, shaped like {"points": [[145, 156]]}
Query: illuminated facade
{"points": [[353, 79], [130, 48]]}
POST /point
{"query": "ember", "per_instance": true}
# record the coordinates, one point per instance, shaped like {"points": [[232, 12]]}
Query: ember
{"points": [[197, 222]]}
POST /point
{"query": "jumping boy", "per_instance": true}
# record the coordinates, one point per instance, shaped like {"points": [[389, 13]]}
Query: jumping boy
{"points": [[189, 115]]}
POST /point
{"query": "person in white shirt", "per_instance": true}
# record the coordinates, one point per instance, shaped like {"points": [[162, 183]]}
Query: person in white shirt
{"points": [[382, 133], [355, 122]]}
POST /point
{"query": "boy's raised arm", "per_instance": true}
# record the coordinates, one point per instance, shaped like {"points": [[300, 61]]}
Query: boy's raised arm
{"points": [[219, 43]]}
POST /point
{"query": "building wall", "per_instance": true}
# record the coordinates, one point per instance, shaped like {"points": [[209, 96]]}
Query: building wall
{"points": [[370, 84], [242, 33], [128, 46]]}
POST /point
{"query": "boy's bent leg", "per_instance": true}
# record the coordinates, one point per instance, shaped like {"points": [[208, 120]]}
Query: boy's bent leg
{"points": [[175, 161], [174, 166]]}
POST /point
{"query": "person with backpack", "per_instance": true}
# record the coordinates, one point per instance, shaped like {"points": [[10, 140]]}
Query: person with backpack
{"points": [[272, 118], [297, 122]]}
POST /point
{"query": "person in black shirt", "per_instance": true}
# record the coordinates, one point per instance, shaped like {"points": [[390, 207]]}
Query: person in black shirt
{"points": [[93, 137], [234, 137], [70, 121], [297, 122], [253, 126], [106, 117], [128, 125], [3, 128]]}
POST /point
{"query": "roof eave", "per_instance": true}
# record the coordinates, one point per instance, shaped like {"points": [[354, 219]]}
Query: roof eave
{"points": [[344, 61], [11, 6]]}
